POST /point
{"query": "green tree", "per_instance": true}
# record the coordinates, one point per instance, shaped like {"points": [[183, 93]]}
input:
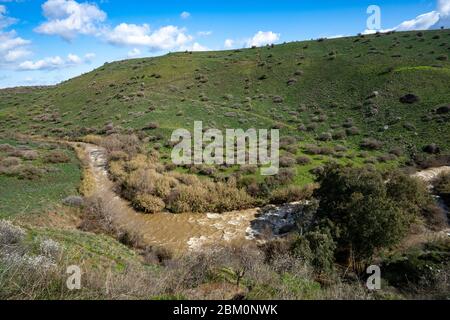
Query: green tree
{"points": [[356, 206]]}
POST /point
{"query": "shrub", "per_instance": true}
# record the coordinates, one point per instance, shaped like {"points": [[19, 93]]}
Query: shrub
{"points": [[317, 248], [386, 158], [339, 135], [10, 234], [326, 136], [371, 144], [57, 156], [118, 155], [277, 99], [435, 217], [25, 154], [5, 147], [315, 150], [352, 131], [303, 160], [74, 201], [410, 193], [340, 148], [28, 172], [311, 127], [396, 151], [151, 126], [285, 176], [10, 162], [50, 249], [291, 194], [148, 203], [287, 161], [363, 216]]}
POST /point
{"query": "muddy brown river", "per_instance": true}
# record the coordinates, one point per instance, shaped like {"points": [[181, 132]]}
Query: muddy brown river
{"points": [[184, 232], [191, 232]]}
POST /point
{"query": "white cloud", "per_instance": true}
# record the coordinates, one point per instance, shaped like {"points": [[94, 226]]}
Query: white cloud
{"points": [[134, 53], [56, 62], [444, 7], [423, 22], [12, 47], [229, 43], [262, 38], [430, 20], [88, 57], [10, 41], [164, 38], [44, 64], [67, 18], [204, 33], [5, 21], [73, 58], [185, 15], [195, 47], [16, 54]]}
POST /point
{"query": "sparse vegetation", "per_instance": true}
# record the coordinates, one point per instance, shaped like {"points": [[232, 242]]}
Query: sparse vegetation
{"points": [[350, 112]]}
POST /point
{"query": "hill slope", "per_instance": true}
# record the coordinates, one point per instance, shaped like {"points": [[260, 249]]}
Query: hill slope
{"points": [[345, 89]]}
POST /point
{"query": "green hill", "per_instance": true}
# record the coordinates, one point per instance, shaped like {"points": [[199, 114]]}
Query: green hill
{"points": [[326, 92]]}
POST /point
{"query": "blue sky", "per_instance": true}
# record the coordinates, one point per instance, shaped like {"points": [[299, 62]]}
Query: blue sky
{"points": [[48, 41]]}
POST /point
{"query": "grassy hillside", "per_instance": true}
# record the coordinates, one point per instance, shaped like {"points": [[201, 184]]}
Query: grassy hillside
{"points": [[35, 177], [328, 93]]}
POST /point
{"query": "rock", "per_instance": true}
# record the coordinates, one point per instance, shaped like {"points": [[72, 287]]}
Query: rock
{"points": [[277, 99], [443, 110], [374, 94], [286, 228], [409, 98], [291, 82], [432, 149]]}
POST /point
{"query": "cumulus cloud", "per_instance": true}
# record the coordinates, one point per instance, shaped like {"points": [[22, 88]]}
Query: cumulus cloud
{"points": [[56, 62], [164, 38], [185, 15], [5, 21], [67, 18], [12, 47], [262, 38], [16, 54], [44, 64]]}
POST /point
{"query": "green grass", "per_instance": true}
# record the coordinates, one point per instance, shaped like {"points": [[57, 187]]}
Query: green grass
{"points": [[393, 64], [25, 197], [95, 250]]}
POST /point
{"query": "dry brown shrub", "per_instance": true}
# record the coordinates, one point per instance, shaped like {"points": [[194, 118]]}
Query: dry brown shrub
{"points": [[148, 203]]}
